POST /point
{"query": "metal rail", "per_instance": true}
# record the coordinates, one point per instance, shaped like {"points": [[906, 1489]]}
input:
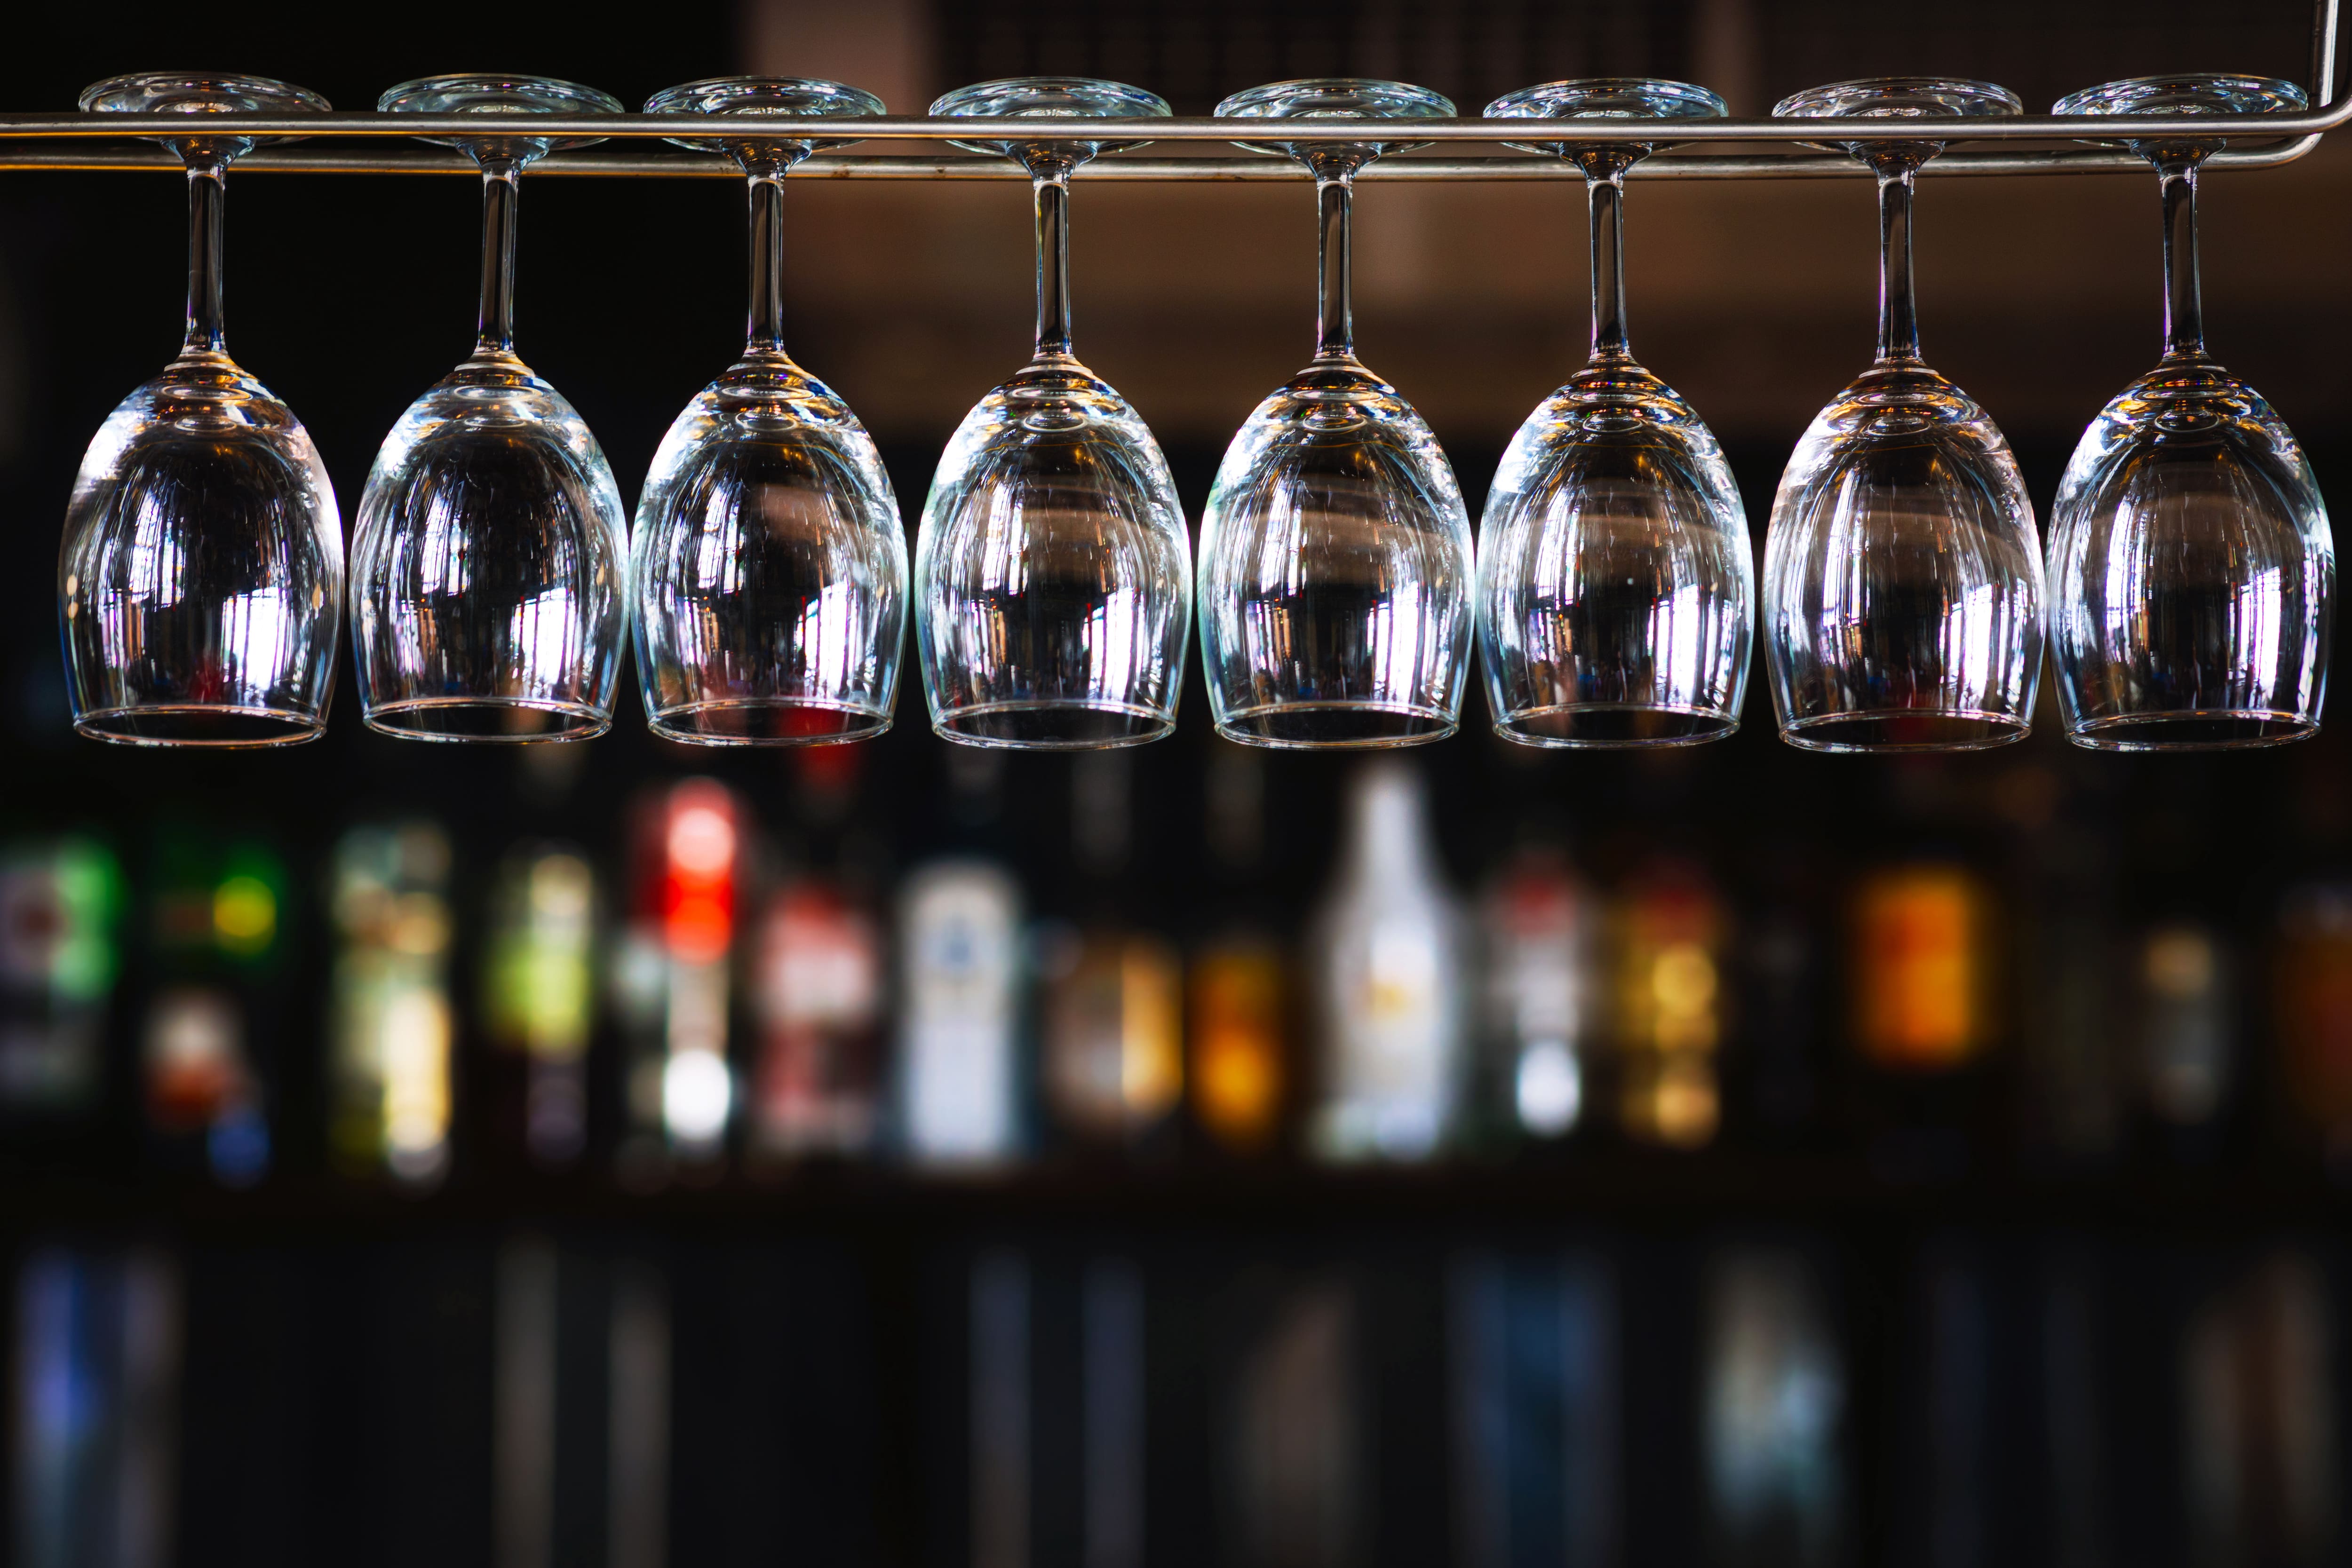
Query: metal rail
{"points": [[94, 143]]}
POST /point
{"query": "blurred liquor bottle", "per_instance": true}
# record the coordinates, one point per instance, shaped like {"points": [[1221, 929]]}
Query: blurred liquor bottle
{"points": [[1672, 929], [1533, 1358], [674, 989], [389, 1030], [1111, 1037], [94, 1451], [1774, 1414], [1920, 980], [61, 900], [1238, 1065], [538, 1004], [217, 930], [2185, 976], [2313, 988], [820, 989], [2259, 1419], [1386, 955], [961, 1086], [2072, 1003], [1539, 1011], [1779, 1083]]}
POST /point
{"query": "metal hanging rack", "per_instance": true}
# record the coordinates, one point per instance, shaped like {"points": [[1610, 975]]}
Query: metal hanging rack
{"points": [[391, 145]]}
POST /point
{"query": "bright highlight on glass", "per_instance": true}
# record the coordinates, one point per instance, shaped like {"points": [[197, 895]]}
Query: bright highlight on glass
{"points": [[1053, 576], [768, 568], [2191, 559], [1335, 552], [1614, 590], [1901, 584], [487, 564], [200, 586]]}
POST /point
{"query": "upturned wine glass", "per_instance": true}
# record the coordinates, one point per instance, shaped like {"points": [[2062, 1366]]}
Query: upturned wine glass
{"points": [[1902, 582], [1053, 576], [1334, 551], [200, 585], [487, 565], [2191, 566], [1615, 594], [767, 569]]}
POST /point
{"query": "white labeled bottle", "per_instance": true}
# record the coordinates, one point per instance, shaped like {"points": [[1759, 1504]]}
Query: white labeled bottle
{"points": [[1386, 964], [959, 1062]]}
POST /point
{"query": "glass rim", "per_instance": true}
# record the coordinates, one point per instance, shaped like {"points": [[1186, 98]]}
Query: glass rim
{"points": [[1444, 724], [2005, 729], [1160, 721], [1727, 724], [880, 720], [378, 717], [301, 726], [2094, 734]]}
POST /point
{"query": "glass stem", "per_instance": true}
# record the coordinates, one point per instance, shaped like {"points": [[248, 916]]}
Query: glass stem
{"points": [[1899, 319], [1335, 317], [1053, 193], [501, 198], [1605, 195], [207, 213], [2184, 314], [766, 334]]}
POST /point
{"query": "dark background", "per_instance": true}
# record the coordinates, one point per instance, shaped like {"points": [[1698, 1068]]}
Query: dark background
{"points": [[339, 1339]]}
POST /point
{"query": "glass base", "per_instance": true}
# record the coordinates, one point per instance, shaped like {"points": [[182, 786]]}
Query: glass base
{"points": [[1336, 726], [767, 721], [222, 728], [2211, 729], [1904, 729], [485, 720], [1053, 726], [1600, 726]]}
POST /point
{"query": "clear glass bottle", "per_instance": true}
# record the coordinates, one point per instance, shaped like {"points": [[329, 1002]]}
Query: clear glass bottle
{"points": [[1387, 962]]}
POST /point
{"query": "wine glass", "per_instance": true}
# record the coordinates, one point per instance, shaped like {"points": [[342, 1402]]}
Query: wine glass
{"points": [[1053, 576], [1901, 584], [201, 579], [1614, 585], [2190, 560], [1335, 552], [487, 566], [767, 569]]}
